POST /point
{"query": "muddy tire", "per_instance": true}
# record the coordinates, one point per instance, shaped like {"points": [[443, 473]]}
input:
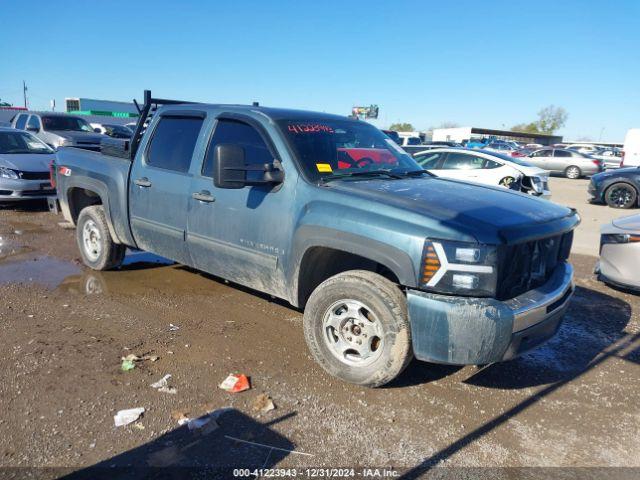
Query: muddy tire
{"points": [[621, 195], [97, 248], [357, 328]]}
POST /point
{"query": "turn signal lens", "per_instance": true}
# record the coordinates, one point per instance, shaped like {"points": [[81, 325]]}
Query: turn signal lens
{"points": [[431, 263], [459, 268]]}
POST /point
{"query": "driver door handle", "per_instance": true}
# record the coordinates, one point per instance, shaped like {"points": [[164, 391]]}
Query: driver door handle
{"points": [[203, 196], [142, 182]]}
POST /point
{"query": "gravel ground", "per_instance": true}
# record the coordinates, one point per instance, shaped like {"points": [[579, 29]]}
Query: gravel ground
{"points": [[573, 402]]}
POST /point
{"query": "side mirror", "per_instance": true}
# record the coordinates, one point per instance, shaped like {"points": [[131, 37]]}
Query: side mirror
{"points": [[228, 166], [230, 170]]}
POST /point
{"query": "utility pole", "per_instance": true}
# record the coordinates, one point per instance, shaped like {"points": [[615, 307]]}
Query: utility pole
{"points": [[24, 93]]}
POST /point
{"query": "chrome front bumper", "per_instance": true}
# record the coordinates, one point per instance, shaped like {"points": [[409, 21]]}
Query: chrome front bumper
{"points": [[15, 190], [474, 331]]}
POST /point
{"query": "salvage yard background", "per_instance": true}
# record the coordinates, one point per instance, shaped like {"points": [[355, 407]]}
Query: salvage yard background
{"points": [[64, 329]]}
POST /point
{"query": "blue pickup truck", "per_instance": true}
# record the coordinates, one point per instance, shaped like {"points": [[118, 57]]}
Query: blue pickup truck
{"points": [[328, 213]]}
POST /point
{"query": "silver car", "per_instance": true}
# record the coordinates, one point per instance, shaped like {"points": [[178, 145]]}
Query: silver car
{"points": [[569, 163], [60, 130], [619, 263], [24, 166]]}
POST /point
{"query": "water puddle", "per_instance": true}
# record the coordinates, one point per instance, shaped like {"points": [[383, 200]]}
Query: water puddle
{"points": [[140, 273], [43, 270], [21, 228], [9, 249]]}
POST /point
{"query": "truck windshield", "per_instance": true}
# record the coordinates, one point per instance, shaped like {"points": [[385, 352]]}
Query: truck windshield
{"points": [[74, 124], [336, 148]]}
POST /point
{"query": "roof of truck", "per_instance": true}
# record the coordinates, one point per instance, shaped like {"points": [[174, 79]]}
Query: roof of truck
{"points": [[273, 113]]}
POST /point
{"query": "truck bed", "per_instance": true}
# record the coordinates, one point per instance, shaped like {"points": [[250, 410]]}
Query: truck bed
{"points": [[106, 176]]}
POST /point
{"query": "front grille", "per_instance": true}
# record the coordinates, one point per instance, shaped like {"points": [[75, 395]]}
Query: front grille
{"points": [[89, 146], [525, 266], [34, 175], [37, 193]]}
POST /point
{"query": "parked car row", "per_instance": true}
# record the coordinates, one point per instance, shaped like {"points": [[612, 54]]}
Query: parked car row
{"points": [[485, 167]]}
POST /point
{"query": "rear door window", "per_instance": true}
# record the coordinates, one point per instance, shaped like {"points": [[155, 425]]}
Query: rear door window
{"points": [[173, 143], [541, 153], [562, 153], [491, 164], [462, 161]]}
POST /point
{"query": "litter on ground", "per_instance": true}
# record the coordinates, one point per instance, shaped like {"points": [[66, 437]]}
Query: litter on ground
{"points": [[235, 383], [263, 403], [127, 365], [125, 417], [163, 382], [162, 385], [129, 362]]}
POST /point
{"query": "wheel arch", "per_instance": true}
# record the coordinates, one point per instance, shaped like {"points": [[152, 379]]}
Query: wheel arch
{"points": [[81, 196], [322, 253]]}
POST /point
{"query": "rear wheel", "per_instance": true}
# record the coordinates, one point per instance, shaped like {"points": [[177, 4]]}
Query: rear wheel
{"points": [[572, 172], [356, 326], [621, 195], [97, 248]]}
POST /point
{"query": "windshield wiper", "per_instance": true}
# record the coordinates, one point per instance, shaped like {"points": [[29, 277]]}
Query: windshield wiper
{"points": [[374, 173], [415, 173]]}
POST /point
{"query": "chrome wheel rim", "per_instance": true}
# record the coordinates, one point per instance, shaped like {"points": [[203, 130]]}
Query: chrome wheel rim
{"points": [[91, 240], [506, 181], [353, 333], [620, 196], [573, 172]]}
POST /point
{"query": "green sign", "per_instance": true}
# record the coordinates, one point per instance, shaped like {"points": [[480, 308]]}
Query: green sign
{"points": [[105, 113]]}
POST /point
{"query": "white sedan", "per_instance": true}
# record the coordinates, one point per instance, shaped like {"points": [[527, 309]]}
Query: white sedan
{"points": [[489, 168]]}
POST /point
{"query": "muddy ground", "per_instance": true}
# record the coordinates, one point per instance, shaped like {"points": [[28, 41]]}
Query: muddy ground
{"points": [[63, 330]]}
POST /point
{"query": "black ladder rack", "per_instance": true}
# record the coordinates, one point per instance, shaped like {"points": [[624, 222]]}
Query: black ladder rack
{"points": [[146, 114]]}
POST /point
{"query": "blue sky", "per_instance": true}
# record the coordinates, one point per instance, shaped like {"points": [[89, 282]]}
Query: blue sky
{"points": [[489, 64]]}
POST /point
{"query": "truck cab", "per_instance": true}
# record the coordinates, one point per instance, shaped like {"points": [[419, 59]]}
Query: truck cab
{"points": [[328, 213]]}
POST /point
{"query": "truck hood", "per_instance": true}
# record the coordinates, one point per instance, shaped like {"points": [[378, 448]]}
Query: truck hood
{"points": [[27, 162], [483, 212], [74, 136]]}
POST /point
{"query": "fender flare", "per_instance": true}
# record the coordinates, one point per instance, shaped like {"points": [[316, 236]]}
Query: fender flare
{"points": [[311, 236], [86, 183]]}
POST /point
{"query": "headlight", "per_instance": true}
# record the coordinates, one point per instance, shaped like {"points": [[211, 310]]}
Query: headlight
{"points": [[619, 238], [8, 173], [62, 142], [537, 184], [459, 268]]}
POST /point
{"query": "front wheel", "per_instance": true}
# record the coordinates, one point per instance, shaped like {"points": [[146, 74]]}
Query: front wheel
{"points": [[506, 182], [572, 172], [97, 248], [356, 326], [621, 195]]}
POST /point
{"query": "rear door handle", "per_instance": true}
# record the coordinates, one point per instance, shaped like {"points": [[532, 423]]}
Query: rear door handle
{"points": [[204, 196], [142, 182]]}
